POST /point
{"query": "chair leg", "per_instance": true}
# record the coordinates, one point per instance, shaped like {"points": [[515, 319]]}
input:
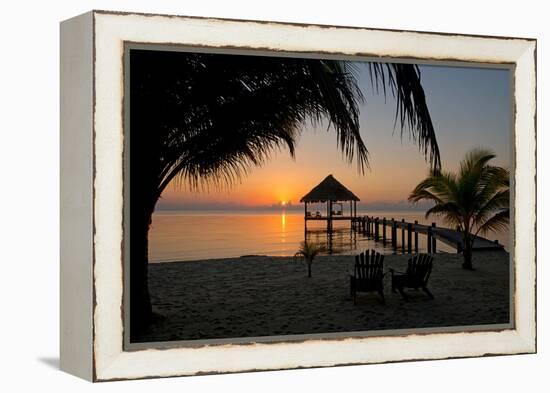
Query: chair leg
{"points": [[381, 293], [402, 292], [392, 285], [428, 292]]}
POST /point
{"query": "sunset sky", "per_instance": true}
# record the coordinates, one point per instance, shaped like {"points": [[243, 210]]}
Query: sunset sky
{"points": [[470, 107]]}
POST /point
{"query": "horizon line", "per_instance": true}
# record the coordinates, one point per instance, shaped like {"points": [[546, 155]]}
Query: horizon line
{"points": [[300, 206]]}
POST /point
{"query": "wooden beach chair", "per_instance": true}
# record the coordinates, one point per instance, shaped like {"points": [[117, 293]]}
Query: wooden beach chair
{"points": [[418, 272], [368, 274]]}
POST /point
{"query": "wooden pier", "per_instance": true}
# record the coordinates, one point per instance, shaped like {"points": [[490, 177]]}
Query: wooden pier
{"points": [[373, 226]]}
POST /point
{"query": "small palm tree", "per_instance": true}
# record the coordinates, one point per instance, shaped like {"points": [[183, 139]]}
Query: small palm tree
{"points": [[309, 251], [475, 200]]}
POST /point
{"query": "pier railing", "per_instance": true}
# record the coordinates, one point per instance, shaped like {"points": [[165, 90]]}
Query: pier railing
{"points": [[376, 228]]}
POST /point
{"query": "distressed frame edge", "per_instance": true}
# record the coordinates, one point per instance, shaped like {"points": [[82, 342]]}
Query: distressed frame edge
{"points": [[525, 339], [525, 179], [303, 24], [76, 196]]}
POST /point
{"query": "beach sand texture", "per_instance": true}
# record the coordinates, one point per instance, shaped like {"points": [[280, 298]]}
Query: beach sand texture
{"points": [[265, 296]]}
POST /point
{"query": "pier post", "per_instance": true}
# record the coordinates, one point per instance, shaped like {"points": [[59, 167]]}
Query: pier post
{"points": [[384, 230], [393, 234], [372, 226], [403, 235], [415, 236], [429, 240], [434, 248], [368, 225], [376, 229], [409, 238]]}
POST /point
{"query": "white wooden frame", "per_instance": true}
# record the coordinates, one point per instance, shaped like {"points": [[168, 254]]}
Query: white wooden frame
{"points": [[92, 88]]}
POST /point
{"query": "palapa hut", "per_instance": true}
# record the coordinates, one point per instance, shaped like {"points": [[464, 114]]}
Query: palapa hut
{"points": [[333, 193]]}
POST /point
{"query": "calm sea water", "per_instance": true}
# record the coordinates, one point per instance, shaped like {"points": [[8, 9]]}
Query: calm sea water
{"points": [[187, 236]]}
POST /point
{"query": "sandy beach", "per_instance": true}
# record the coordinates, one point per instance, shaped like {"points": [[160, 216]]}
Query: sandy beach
{"points": [[263, 296]]}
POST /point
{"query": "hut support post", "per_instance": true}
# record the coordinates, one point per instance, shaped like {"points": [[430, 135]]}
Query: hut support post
{"points": [[355, 212], [376, 229], [384, 230], [329, 216], [305, 219]]}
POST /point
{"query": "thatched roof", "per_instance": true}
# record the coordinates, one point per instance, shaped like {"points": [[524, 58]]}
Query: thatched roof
{"points": [[329, 189]]}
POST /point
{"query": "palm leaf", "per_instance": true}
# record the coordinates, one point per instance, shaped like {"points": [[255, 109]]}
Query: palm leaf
{"points": [[208, 119], [496, 223], [469, 198], [411, 110]]}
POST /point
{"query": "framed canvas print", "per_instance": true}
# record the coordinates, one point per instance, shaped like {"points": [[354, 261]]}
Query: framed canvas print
{"points": [[244, 195]]}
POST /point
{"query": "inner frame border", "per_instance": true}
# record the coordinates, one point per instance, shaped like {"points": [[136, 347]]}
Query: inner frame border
{"points": [[296, 338]]}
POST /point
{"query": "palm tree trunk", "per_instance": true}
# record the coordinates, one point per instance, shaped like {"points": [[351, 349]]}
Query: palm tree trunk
{"points": [[140, 301], [467, 252]]}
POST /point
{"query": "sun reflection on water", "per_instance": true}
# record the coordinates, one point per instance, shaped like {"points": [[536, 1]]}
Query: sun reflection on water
{"points": [[283, 226]]}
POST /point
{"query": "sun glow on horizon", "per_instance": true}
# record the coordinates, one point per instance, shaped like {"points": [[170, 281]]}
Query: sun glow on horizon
{"points": [[455, 96]]}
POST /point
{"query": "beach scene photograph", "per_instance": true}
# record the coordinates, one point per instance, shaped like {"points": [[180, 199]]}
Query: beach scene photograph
{"points": [[283, 196]]}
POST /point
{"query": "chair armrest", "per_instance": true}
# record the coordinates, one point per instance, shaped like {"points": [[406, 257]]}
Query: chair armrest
{"points": [[393, 271]]}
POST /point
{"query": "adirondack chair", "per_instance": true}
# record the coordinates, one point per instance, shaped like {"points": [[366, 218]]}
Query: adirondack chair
{"points": [[368, 274], [418, 272]]}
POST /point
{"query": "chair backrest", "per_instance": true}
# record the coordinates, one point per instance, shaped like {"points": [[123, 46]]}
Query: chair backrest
{"points": [[369, 266], [419, 269]]}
